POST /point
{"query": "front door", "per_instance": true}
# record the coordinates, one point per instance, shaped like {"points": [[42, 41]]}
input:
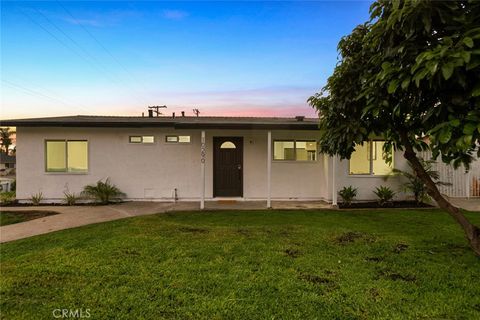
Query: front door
{"points": [[227, 166]]}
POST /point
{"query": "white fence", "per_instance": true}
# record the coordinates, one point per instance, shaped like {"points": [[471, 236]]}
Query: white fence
{"points": [[463, 184]]}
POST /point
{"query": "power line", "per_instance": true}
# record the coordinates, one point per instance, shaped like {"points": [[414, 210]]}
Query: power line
{"points": [[36, 93], [99, 43], [104, 71]]}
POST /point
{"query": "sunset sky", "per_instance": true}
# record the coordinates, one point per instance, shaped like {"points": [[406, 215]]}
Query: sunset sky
{"points": [[116, 58]]}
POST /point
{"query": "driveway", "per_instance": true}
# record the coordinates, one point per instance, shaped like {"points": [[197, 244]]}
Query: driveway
{"points": [[76, 216]]}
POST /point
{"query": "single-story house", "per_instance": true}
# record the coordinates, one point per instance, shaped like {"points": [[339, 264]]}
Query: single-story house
{"points": [[7, 162], [191, 159]]}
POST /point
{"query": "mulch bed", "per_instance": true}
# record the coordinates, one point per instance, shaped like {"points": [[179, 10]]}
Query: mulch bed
{"points": [[394, 204]]}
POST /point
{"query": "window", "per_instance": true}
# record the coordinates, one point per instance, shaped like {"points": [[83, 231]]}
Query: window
{"points": [[177, 139], [299, 150], [66, 156], [228, 145], [369, 159], [142, 139]]}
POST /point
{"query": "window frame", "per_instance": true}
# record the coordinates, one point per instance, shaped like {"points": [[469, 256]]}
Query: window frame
{"points": [[66, 156], [141, 137], [370, 162], [178, 139], [294, 150]]}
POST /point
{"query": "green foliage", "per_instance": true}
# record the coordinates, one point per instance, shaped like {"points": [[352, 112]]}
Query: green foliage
{"points": [[13, 185], [415, 185], [5, 138], [103, 192], [70, 198], [7, 197], [413, 70], [348, 194], [389, 265], [385, 195], [37, 198]]}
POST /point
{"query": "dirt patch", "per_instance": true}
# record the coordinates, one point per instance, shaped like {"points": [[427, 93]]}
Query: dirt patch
{"points": [[374, 259], [193, 230], [314, 279], [293, 253], [400, 248], [352, 236], [388, 274], [244, 232], [374, 294]]}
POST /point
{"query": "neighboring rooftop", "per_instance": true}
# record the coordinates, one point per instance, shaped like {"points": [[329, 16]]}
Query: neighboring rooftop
{"points": [[179, 122]]}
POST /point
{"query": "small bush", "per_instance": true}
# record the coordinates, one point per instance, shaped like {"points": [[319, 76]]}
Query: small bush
{"points": [[37, 198], [7, 197], [384, 194], [348, 194], [13, 185], [103, 192], [70, 198]]}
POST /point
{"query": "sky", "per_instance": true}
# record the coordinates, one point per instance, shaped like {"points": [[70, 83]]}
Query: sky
{"points": [[116, 58]]}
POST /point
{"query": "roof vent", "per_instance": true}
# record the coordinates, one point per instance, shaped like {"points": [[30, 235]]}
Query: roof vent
{"points": [[150, 113], [300, 118], [183, 113]]}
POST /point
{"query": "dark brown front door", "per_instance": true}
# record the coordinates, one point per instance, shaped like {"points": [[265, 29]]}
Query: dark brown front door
{"points": [[227, 166]]}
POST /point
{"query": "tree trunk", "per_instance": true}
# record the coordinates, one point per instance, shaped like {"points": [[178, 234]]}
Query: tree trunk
{"points": [[471, 231]]}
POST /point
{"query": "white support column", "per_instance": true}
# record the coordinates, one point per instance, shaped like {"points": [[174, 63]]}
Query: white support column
{"points": [[467, 184], [269, 169], [202, 170], [334, 182]]}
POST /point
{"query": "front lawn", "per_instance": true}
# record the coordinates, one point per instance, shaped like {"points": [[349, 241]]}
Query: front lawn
{"points": [[11, 217], [384, 264]]}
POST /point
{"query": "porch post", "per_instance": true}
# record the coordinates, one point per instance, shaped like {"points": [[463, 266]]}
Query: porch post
{"points": [[334, 182], [202, 171], [269, 169]]}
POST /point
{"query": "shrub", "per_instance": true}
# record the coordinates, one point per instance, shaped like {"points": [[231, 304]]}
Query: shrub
{"points": [[37, 198], [348, 194], [103, 192], [70, 198], [414, 184], [13, 185], [7, 197], [384, 194]]}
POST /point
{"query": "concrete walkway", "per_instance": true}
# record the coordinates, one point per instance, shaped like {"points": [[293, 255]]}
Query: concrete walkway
{"points": [[76, 216], [471, 204]]}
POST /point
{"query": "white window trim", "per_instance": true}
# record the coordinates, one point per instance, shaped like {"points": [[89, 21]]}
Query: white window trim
{"points": [[178, 139], [66, 158], [142, 143], [294, 151], [371, 174]]}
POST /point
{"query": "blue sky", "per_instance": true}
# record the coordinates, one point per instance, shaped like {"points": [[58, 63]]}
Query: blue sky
{"points": [[115, 58]]}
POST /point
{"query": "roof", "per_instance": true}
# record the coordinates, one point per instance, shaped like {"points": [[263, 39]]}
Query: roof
{"points": [[167, 121], [7, 158]]}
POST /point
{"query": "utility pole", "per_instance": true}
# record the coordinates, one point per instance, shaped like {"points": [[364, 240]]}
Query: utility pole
{"points": [[156, 109]]}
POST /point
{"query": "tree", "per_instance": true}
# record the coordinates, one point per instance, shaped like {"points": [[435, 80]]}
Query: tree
{"points": [[5, 138], [411, 74]]}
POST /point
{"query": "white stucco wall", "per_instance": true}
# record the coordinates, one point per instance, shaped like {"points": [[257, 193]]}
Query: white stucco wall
{"points": [[366, 184], [152, 171]]}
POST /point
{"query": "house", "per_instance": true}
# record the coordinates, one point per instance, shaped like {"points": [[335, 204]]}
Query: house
{"points": [[191, 158], [7, 162]]}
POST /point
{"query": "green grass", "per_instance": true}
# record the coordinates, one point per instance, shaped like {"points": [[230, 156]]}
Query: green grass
{"points": [[383, 264], [11, 217]]}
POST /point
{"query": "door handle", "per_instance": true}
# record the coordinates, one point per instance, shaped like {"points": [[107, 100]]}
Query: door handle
{"points": [[239, 167]]}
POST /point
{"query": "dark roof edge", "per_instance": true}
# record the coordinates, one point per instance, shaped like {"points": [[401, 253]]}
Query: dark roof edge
{"points": [[176, 125]]}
